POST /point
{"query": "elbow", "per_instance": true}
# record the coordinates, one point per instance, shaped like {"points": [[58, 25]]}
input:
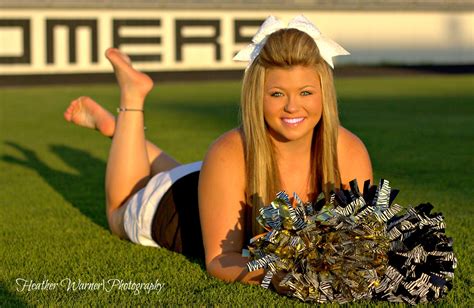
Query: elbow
{"points": [[216, 269], [212, 267], [231, 267]]}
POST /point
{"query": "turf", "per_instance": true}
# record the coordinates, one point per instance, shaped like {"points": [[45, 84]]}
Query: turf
{"points": [[419, 132]]}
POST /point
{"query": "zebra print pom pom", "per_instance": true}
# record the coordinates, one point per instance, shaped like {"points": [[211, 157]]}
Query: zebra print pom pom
{"points": [[354, 247]]}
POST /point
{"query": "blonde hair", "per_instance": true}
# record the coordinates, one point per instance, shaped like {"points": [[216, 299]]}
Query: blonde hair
{"points": [[283, 49]]}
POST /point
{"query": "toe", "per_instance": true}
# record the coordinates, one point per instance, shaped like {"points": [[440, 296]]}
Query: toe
{"points": [[67, 115], [109, 51], [118, 58]]}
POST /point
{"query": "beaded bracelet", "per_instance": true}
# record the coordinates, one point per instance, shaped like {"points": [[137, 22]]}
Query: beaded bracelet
{"points": [[120, 109]]}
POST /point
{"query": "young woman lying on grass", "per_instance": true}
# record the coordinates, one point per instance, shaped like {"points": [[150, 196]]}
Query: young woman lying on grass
{"points": [[289, 139]]}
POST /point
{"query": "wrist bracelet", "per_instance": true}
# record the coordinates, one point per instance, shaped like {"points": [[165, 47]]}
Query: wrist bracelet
{"points": [[120, 109]]}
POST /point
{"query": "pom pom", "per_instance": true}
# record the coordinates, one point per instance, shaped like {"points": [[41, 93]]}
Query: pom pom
{"points": [[421, 258], [354, 247]]}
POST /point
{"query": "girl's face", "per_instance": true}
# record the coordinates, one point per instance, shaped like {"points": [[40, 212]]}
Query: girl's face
{"points": [[292, 103]]}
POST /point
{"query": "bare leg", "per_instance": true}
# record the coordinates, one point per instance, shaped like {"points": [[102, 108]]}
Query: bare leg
{"points": [[86, 112], [128, 167]]}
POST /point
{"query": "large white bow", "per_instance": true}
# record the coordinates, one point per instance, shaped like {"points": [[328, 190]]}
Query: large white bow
{"points": [[327, 47]]}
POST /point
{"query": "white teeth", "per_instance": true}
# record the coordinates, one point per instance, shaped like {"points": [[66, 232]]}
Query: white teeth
{"points": [[293, 120]]}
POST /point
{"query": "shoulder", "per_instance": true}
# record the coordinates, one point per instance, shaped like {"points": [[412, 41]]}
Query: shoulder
{"points": [[349, 143], [225, 159], [232, 138], [228, 147], [353, 158]]}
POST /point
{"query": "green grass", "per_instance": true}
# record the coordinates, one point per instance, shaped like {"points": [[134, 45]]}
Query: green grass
{"points": [[419, 132]]}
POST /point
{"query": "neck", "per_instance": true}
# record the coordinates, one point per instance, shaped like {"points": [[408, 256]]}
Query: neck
{"points": [[294, 166], [291, 150]]}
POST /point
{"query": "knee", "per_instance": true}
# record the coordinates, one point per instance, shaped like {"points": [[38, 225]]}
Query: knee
{"points": [[115, 220]]}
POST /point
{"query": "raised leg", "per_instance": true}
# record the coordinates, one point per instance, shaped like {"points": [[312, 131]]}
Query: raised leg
{"points": [[129, 165], [85, 112], [128, 169]]}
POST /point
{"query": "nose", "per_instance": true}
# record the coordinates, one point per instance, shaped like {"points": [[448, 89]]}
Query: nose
{"points": [[292, 105]]}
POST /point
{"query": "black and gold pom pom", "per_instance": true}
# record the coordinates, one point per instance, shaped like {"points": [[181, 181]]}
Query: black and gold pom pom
{"points": [[354, 247]]}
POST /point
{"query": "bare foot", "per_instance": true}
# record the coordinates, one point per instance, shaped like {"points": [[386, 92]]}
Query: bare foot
{"points": [[134, 85], [86, 112]]}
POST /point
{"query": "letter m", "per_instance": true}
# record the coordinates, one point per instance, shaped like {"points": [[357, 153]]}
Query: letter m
{"points": [[72, 25]]}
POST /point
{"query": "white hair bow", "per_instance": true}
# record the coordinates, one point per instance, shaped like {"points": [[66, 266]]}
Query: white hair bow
{"points": [[327, 47]]}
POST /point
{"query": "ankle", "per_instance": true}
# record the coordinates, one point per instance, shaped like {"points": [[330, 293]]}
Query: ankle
{"points": [[135, 92], [130, 101]]}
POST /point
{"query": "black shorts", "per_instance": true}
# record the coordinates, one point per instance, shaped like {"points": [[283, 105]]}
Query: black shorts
{"points": [[176, 225]]}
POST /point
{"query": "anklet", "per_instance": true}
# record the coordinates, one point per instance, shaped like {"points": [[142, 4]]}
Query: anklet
{"points": [[120, 109]]}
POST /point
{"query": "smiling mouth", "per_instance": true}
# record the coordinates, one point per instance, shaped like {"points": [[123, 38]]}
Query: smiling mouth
{"points": [[292, 121]]}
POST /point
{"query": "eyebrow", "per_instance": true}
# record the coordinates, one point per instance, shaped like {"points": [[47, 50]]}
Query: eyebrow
{"points": [[301, 88], [306, 86]]}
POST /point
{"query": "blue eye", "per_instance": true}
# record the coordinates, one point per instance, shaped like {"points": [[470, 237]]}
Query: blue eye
{"points": [[276, 94], [306, 93]]}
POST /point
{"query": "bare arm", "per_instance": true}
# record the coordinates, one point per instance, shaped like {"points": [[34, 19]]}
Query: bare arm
{"points": [[222, 210], [354, 160], [222, 201]]}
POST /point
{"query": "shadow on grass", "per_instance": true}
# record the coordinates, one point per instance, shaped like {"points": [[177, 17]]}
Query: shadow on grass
{"points": [[10, 299], [84, 190]]}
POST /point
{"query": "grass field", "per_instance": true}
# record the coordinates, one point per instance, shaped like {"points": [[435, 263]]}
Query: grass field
{"points": [[419, 132]]}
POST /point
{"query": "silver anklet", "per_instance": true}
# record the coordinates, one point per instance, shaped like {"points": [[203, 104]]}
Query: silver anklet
{"points": [[120, 109]]}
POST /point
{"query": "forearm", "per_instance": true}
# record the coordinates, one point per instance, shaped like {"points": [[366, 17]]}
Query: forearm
{"points": [[233, 267]]}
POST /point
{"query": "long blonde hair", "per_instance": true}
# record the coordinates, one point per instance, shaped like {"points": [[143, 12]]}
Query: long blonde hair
{"points": [[283, 49]]}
